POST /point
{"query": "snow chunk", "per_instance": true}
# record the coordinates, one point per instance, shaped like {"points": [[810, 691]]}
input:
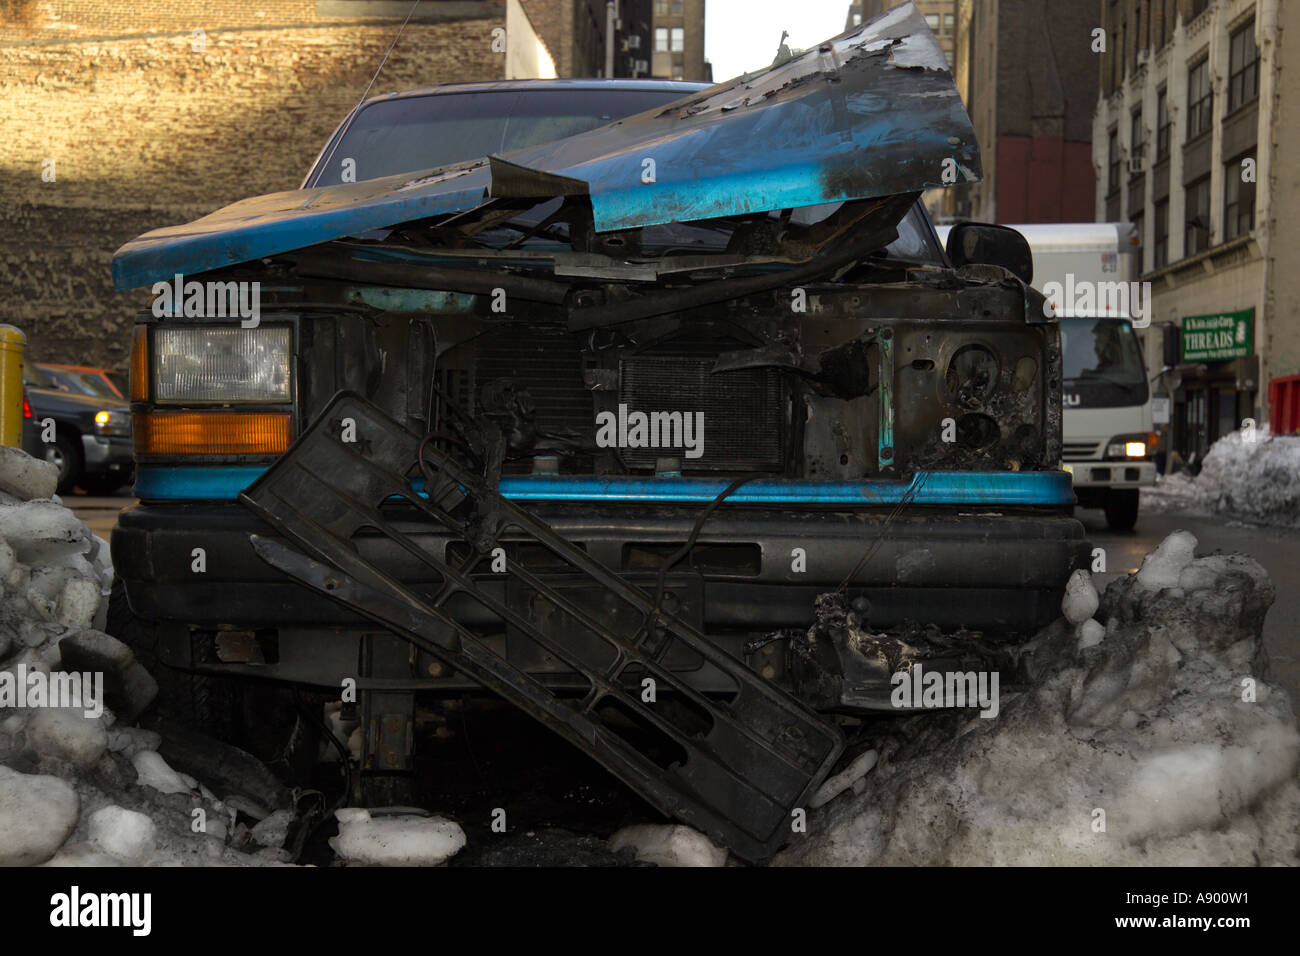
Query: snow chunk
{"points": [[671, 844], [66, 733], [1163, 566], [42, 532], [26, 477], [130, 741], [154, 772], [122, 833], [403, 840], [274, 830], [37, 813], [843, 780], [1081, 600], [1091, 634], [78, 603]]}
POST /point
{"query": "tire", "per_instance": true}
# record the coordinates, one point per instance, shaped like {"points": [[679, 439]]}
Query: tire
{"points": [[1122, 509], [65, 454], [256, 716], [201, 702]]}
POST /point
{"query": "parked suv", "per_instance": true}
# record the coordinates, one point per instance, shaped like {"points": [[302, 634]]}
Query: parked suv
{"points": [[87, 437], [637, 398]]}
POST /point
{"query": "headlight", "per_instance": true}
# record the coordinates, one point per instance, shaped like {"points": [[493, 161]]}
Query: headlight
{"points": [[1131, 446], [222, 364], [113, 422]]}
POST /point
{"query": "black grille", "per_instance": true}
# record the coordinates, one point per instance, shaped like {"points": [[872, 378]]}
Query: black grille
{"points": [[744, 411]]}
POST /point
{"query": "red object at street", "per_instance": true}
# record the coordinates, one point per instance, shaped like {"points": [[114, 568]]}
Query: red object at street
{"points": [[1284, 405]]}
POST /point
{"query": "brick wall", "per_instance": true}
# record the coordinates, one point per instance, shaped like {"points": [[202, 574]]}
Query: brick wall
{"points": [[146, 130]]}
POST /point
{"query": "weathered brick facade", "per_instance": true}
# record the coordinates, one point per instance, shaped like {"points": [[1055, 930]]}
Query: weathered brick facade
{"points": [[149, 124]]}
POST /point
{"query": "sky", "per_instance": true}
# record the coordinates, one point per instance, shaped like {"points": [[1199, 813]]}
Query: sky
{"points": [[743, 35]]}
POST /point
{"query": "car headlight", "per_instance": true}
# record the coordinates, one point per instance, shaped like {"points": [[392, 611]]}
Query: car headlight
{"points": [[222, 364], [113, 422]]}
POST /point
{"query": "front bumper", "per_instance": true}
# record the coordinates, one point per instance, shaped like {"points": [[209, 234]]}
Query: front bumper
{"points": [[758, 569], [1112, 474]]}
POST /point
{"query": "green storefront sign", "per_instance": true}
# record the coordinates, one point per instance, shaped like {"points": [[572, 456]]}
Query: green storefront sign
{"points": [[1218, 337]]}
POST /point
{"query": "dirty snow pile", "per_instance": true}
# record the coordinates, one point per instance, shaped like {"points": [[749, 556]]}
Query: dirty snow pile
{"points": [[77, 784], [1249, 473], [1143, 734], [1257, 478]]}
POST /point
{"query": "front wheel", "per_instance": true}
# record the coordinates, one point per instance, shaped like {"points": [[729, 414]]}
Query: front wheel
{"points": [[1122, 509]]}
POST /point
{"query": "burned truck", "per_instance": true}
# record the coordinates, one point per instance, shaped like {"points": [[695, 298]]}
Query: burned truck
{"points": [[592, 395]]}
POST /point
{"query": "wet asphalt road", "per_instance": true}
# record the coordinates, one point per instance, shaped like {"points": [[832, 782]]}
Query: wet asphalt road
{"points": [[1277, 549]]}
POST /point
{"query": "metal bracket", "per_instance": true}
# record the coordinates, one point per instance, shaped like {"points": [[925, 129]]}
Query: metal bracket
{"points": [[737, 767]]}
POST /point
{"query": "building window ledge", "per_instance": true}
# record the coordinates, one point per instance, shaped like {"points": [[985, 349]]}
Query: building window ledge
{"points": [[1208, 260]]}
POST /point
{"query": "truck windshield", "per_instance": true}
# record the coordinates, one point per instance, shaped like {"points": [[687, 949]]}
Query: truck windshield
{"points": [[418, 133], [1102, 363]]}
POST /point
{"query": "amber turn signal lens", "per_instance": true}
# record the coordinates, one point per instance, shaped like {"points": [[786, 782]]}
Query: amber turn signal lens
{"points": [[211, 433], [139, 387]]}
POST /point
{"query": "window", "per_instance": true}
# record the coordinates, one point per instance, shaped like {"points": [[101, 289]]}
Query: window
{"points": [[661, 39], [1135, 138], [677, 8], [679, 39], [932, 21], [948, 21], [1112, 162], [1200, 99], [947, 55], [1238, 198], [857, 19], [1243, 67], [1160, 241], [1162, 124], [661, 8], [1196, 236]]}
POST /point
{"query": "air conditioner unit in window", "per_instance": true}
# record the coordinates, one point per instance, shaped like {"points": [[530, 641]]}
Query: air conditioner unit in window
{"points": [[634, 42], [1135, 165], [641, 66]]}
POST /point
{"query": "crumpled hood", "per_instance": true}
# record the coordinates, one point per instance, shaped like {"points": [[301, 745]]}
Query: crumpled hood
{"points": [[870, 113]]}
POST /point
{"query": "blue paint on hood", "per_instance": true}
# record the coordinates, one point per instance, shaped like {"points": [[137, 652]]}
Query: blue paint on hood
{"points": [[870, 113]]}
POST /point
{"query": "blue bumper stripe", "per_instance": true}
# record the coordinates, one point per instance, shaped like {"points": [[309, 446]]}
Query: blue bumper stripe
{"points": [[156, 483]]}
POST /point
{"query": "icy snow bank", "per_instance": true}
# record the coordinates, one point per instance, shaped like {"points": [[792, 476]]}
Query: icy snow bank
{"points": [[1257, 479], [1158, 744], [74, 781]]}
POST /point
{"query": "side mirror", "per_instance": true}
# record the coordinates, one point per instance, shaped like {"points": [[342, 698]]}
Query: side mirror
{"points": [[981, 243]]}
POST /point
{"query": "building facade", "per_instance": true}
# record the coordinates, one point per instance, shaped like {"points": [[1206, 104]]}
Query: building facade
{"points": [[123, 117], [1028, 77], [677, 52], [1184, 147]]}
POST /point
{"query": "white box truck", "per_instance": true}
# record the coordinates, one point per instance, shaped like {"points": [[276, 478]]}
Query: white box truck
{"points": [[1089, 271]]}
